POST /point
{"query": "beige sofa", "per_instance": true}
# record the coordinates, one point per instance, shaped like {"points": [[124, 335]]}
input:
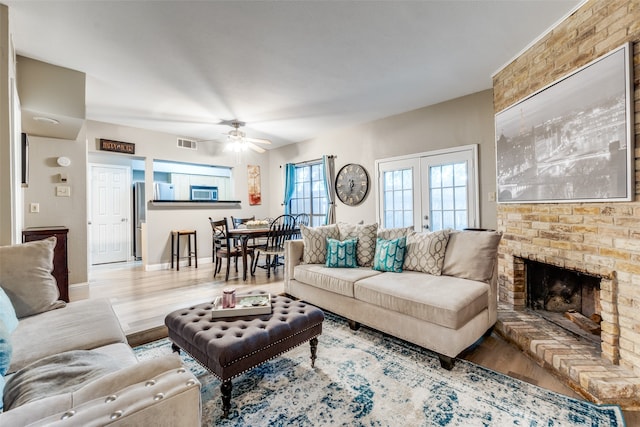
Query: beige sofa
{"points": [[70, 364], [445, 313]]}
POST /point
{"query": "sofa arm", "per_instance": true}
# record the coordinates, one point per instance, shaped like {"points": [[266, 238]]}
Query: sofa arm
{"points": [[293, 251], [158, 392]]}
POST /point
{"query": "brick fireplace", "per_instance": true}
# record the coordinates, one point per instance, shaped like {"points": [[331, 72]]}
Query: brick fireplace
{"points": [[593, 240]]}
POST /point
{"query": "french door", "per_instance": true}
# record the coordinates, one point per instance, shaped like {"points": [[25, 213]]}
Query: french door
{"points": [[109, 226], [429, 191]]}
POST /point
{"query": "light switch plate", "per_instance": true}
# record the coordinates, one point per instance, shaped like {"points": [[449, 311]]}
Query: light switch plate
{"points": [[63, 191]]}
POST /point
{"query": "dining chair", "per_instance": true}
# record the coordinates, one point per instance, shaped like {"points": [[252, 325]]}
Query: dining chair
{"points": [[281, 229], [301, 219], [224, 247], [237, 222]]}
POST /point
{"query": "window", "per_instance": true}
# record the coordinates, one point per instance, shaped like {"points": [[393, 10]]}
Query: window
{"points": [[398, 198], [309, 194], [448, 192]]}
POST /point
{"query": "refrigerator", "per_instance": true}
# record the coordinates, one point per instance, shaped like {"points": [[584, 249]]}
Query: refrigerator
{"points": [[139, 217]]}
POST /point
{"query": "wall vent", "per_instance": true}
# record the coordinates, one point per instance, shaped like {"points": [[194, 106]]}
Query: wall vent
{"points": [[187, 143]]}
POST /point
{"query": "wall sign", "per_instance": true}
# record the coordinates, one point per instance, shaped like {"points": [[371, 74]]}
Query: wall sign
{"points": [[117, 146]]}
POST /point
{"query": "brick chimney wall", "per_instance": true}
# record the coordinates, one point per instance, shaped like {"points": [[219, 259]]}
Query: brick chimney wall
{"points": [[601, 239]]}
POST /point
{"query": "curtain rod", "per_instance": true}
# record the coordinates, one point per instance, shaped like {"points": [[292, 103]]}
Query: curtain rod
{"points": [[306, 162]]}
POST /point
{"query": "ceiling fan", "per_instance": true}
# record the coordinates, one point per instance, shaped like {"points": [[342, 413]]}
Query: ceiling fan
{"points": [[238, 141]]}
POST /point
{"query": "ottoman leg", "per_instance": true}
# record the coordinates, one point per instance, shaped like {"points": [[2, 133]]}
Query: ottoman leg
{"points": [[314, 348], [175, 348], [225, 389]]}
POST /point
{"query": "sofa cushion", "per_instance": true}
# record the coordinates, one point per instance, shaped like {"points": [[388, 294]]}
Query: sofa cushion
{"points": [[425, 252], [342, 254], [447, 301], [25, 274], [394, 233], [81, 325], [7, 313], [337, 280], [472, 255], [315, 242], [56, 374], [366, 235], [390, 254]]}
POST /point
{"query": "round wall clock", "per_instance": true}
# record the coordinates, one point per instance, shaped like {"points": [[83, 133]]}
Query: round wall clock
{"points": [[352, 184]]}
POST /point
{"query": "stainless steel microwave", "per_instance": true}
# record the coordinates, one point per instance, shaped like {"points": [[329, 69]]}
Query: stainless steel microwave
{"points": [[204, 193]]}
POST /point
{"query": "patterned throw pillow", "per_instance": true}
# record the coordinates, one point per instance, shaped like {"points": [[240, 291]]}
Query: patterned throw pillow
{"points": [[394, 233], [315, 242], [341, 254], [425, 252], [366, 235], [390, 254]]}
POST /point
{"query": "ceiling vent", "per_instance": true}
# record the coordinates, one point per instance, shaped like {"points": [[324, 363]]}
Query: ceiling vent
{"points": [[187, 143]]}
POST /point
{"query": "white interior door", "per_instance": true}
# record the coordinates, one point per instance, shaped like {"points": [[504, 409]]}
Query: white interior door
{"points": [[110, 214]]}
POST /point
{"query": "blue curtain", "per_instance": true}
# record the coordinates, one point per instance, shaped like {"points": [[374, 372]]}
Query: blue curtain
{"points": [[330, 191], [289, 185]]}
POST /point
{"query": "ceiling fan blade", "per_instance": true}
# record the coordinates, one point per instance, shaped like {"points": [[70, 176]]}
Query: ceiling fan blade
{"points": [[258, 140], [255, 147]]}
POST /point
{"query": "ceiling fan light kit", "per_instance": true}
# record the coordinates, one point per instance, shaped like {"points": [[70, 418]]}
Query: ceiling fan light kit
{"points": [[237, 140]]}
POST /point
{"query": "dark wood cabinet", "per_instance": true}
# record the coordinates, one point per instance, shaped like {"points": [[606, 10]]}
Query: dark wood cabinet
{"points": [[60, 264]]}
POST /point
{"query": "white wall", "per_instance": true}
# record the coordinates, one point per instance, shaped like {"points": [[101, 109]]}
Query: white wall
{"points": [[462, 121]]}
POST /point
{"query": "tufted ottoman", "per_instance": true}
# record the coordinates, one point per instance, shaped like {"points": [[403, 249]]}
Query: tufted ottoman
{"points": [[230, 346]]}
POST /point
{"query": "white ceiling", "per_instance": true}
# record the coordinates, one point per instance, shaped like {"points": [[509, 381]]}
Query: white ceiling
{"points": [[291, 69]]}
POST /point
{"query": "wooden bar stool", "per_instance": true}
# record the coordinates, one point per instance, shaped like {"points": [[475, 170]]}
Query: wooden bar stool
{"points": [[175, 246]]}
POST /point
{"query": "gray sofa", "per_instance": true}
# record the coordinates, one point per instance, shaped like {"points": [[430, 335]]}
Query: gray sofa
{"points": [[70, 364], [444, 312]]}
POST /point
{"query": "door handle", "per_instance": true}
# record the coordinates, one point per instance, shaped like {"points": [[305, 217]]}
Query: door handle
{"points": [[426, 226], [123, 220]]}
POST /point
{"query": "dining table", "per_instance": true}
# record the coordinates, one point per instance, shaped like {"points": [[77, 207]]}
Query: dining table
{"points": [[245, 234]]}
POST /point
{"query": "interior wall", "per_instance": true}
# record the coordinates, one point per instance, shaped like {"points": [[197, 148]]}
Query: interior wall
{"points": [[7, 185], [462, 121], [70, 212], [160, 221]]}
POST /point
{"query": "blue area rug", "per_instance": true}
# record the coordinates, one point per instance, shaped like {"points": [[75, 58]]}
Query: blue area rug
{"points": [[365, 378]]}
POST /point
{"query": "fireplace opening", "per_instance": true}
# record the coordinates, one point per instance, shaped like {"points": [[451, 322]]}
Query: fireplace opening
{"points": [[568, 298]]}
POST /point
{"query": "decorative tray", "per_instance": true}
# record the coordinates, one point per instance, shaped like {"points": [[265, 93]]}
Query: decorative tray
{"points": [[246, 305]]}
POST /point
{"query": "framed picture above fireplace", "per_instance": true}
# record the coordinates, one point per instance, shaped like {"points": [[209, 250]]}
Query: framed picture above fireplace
{"points": [[572, 141]]}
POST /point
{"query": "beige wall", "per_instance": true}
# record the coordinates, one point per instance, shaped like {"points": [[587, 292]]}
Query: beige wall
{"points": [[9, 189], [70, 212], [462, 121]]}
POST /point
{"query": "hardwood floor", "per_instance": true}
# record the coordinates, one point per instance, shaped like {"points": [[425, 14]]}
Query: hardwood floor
{"points": [[142, 299]]}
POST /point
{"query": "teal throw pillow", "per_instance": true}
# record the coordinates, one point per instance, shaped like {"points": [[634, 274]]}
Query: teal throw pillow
{"points": [[390, 254], [5, 355], [7, 312], [342, 254]]}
